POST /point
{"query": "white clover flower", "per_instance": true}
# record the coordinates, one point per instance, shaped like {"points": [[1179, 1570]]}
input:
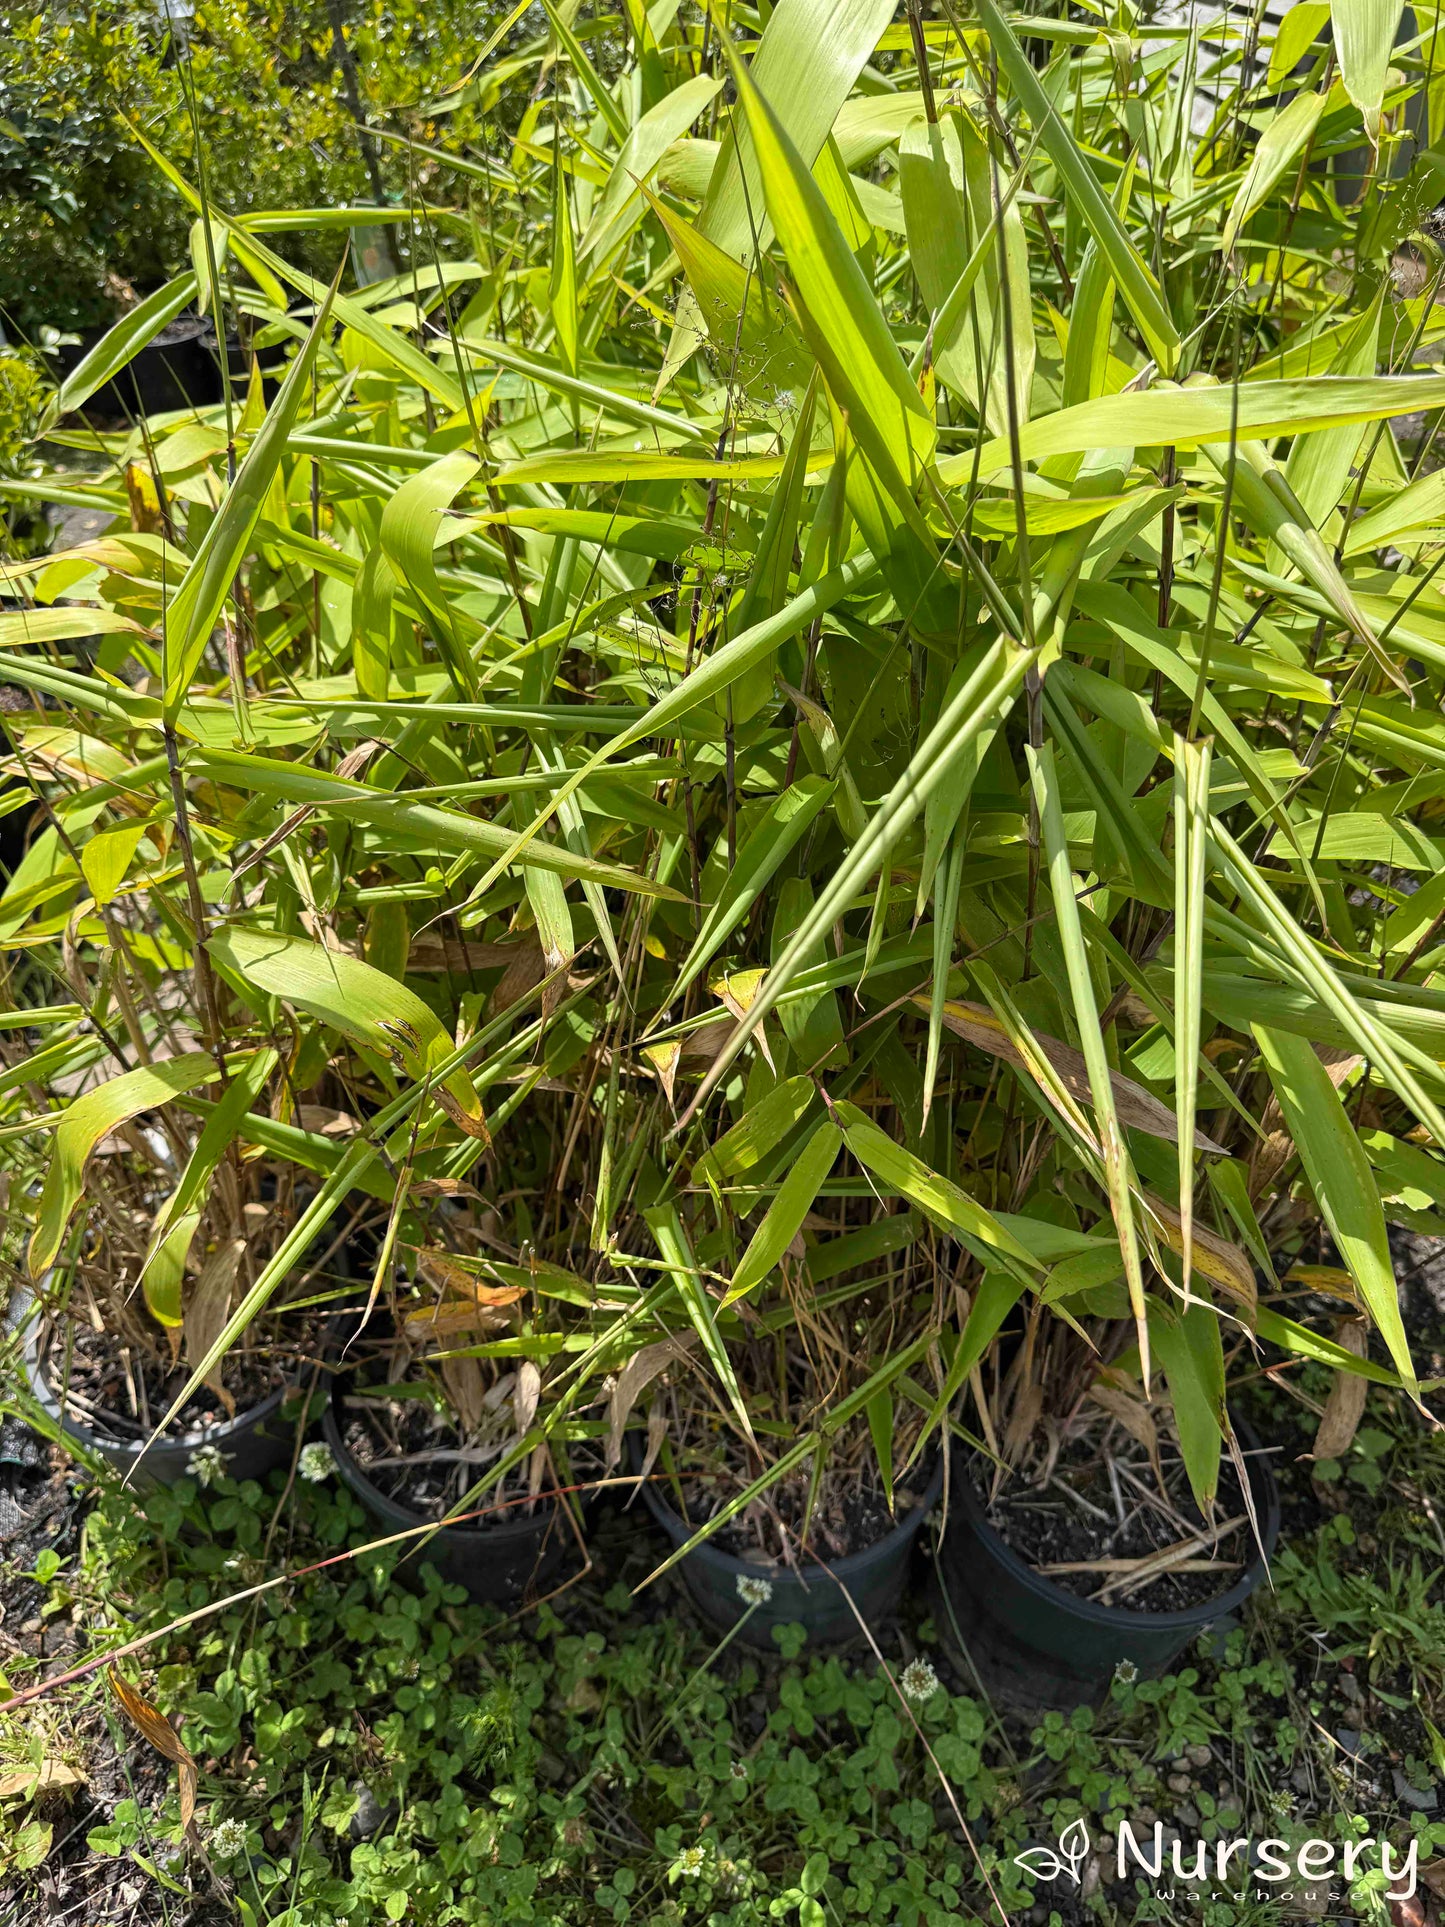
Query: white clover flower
{"points": [[739, 1769], [919, 1681], [228, 1838], [317, 1462], [1126, 1672], [754, 1592], [690, 1862], [207, 1464]]}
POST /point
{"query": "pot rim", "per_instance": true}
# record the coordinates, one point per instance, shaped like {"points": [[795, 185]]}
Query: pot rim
{"points": [[897, 1539], [1119, 1617], [71, 1422], [371, 1494]]}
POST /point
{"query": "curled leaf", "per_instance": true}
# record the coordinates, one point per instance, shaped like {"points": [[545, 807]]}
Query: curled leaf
{"points": [[155, 1728]]}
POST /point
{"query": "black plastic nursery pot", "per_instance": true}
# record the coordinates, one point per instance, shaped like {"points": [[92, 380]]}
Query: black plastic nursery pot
{"points": [[723, 1587], [250, 1444], [1041, 1645], [179, 368], [502, 1562]]}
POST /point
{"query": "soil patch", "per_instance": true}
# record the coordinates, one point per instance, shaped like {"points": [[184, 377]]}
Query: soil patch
{"points": [[849, 1511], [1107, 1523], [125, 1391]]}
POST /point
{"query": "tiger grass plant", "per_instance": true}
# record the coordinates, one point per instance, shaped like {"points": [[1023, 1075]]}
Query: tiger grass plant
{"points": [[823, 728]]}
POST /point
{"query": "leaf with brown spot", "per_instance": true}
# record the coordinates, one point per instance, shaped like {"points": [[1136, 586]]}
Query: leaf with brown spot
{"points": [[1327, 1279], [1215, 1258], [155, 1728]]}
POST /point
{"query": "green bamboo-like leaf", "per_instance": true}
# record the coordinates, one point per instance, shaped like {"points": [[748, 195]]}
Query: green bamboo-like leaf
{"points": [[953, 242], [985, 696], [21, 626], [1118, 1168], [760, 1129], [601, 94], [410, 525], [1304, 1343], [1191, 820], [677, 1256], [175, 1223], [437, 828], [1281, 142], [936, 1196], [785, 1215], [810, 54], [994, 1297], [1192, 1359], [86, 1121], [880, 1429], [196, 606], [719, 672], [838, 313], [1341, 1179], [1365, 32], [760, 856], [1386, 1047], [620, 203], [1196, 417], [364, 1003]]}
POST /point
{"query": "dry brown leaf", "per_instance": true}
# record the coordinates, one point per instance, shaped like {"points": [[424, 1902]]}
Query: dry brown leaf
{"points": [[526, 1395], [737, 991], [696, 1049], [632, 1381], [455, 1316], [431, 952], [1023, 1420], [322, 1121], [208, 1306], [474, 1125], [526, 969], [1345, 1406], [31, 1780], [444, 1188], [154, 1727], [1138, 1109], [1132, 1413], [467, 1389], [466, 1303]]}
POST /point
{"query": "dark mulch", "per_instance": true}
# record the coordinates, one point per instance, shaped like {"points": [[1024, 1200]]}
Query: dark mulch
{"points": [[1080, 1516], [792, 1523], [130, 1390], [420, 1459]]}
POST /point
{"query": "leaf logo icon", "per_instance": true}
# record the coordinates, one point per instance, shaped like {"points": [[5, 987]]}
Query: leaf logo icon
{"points": [[1044, 1864], [1074, 1848]]}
